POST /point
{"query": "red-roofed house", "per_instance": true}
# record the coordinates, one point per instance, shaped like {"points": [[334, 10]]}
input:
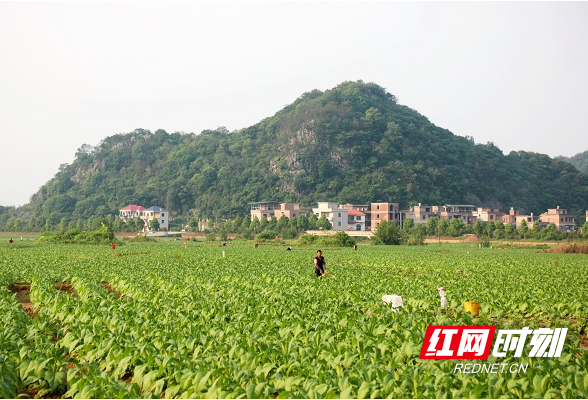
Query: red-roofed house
{"points": [[355, 220], [131, 211]]}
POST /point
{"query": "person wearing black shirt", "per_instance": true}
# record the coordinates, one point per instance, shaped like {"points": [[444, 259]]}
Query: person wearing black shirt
{"points": [[319, 264]]}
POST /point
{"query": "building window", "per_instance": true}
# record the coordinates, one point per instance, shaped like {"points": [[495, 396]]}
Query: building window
{"points": [[339, 215], [424, 217], [163, 221], [492, 217], [377, 207], [358, 227], [339, 223], [378, 216]]}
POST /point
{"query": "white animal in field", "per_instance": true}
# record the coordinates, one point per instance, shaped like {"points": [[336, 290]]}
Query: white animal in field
{"points": [[394, 300]]}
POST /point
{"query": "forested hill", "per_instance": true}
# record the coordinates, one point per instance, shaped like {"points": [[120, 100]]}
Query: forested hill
{"points": [[353, 143], [580, 161]]}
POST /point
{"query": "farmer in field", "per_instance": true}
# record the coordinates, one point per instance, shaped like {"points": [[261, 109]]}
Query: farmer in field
{"points": [[319, 264], [11, 241]]}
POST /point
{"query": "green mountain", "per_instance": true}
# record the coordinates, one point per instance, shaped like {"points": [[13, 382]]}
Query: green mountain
{"points": [[353, 143], [580, 161]]}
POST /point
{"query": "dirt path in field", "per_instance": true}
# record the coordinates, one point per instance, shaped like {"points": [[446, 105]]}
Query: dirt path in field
{"points": [[23, 295]]}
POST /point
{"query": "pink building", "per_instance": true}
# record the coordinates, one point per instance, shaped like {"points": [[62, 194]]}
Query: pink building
{"points": [[563, 221]]}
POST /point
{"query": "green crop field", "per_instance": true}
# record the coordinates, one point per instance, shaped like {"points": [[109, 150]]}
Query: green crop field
{"points": [[161, 321]]}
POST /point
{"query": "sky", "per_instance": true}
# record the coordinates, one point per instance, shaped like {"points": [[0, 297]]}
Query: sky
{"points": [[74, 73]]}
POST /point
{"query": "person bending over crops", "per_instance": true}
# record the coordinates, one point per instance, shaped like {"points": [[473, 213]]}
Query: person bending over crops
{"points": [[319, 264]]}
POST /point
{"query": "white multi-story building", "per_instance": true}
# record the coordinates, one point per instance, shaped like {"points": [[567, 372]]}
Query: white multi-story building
{"points": [[338, 217], [158, 213]]}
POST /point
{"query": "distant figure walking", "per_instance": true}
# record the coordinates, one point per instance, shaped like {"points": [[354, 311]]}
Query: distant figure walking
{"points": [[112, 246]]}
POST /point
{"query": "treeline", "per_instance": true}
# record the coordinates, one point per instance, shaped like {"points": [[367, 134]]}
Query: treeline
{"points": [[389, 233], [492, 230], [580, 161]]}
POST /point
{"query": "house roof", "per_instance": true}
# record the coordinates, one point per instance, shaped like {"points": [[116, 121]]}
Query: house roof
{"points": [[355, 212], [155, 208], [133, 207]]}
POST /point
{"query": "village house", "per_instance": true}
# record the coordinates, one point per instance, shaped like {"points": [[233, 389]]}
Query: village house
{"points": [[563, 221], [338, 217], [451, 211], [516, 218], [487, 214], [385, 212], [420, 213], [362, 217], [364, 208], [133, 211], [269, 209], [356, 220]]}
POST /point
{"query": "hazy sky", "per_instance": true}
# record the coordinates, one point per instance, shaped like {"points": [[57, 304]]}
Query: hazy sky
{"points": [[73, 73]]}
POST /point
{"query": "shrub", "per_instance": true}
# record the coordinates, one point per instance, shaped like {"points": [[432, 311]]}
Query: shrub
{"points": [[572, 248], [267, 234], [342, 239]]}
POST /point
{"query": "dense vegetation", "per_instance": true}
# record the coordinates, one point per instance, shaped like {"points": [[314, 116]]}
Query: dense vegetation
{"points": [[580, 161], [353, 143], [163, 321]]}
